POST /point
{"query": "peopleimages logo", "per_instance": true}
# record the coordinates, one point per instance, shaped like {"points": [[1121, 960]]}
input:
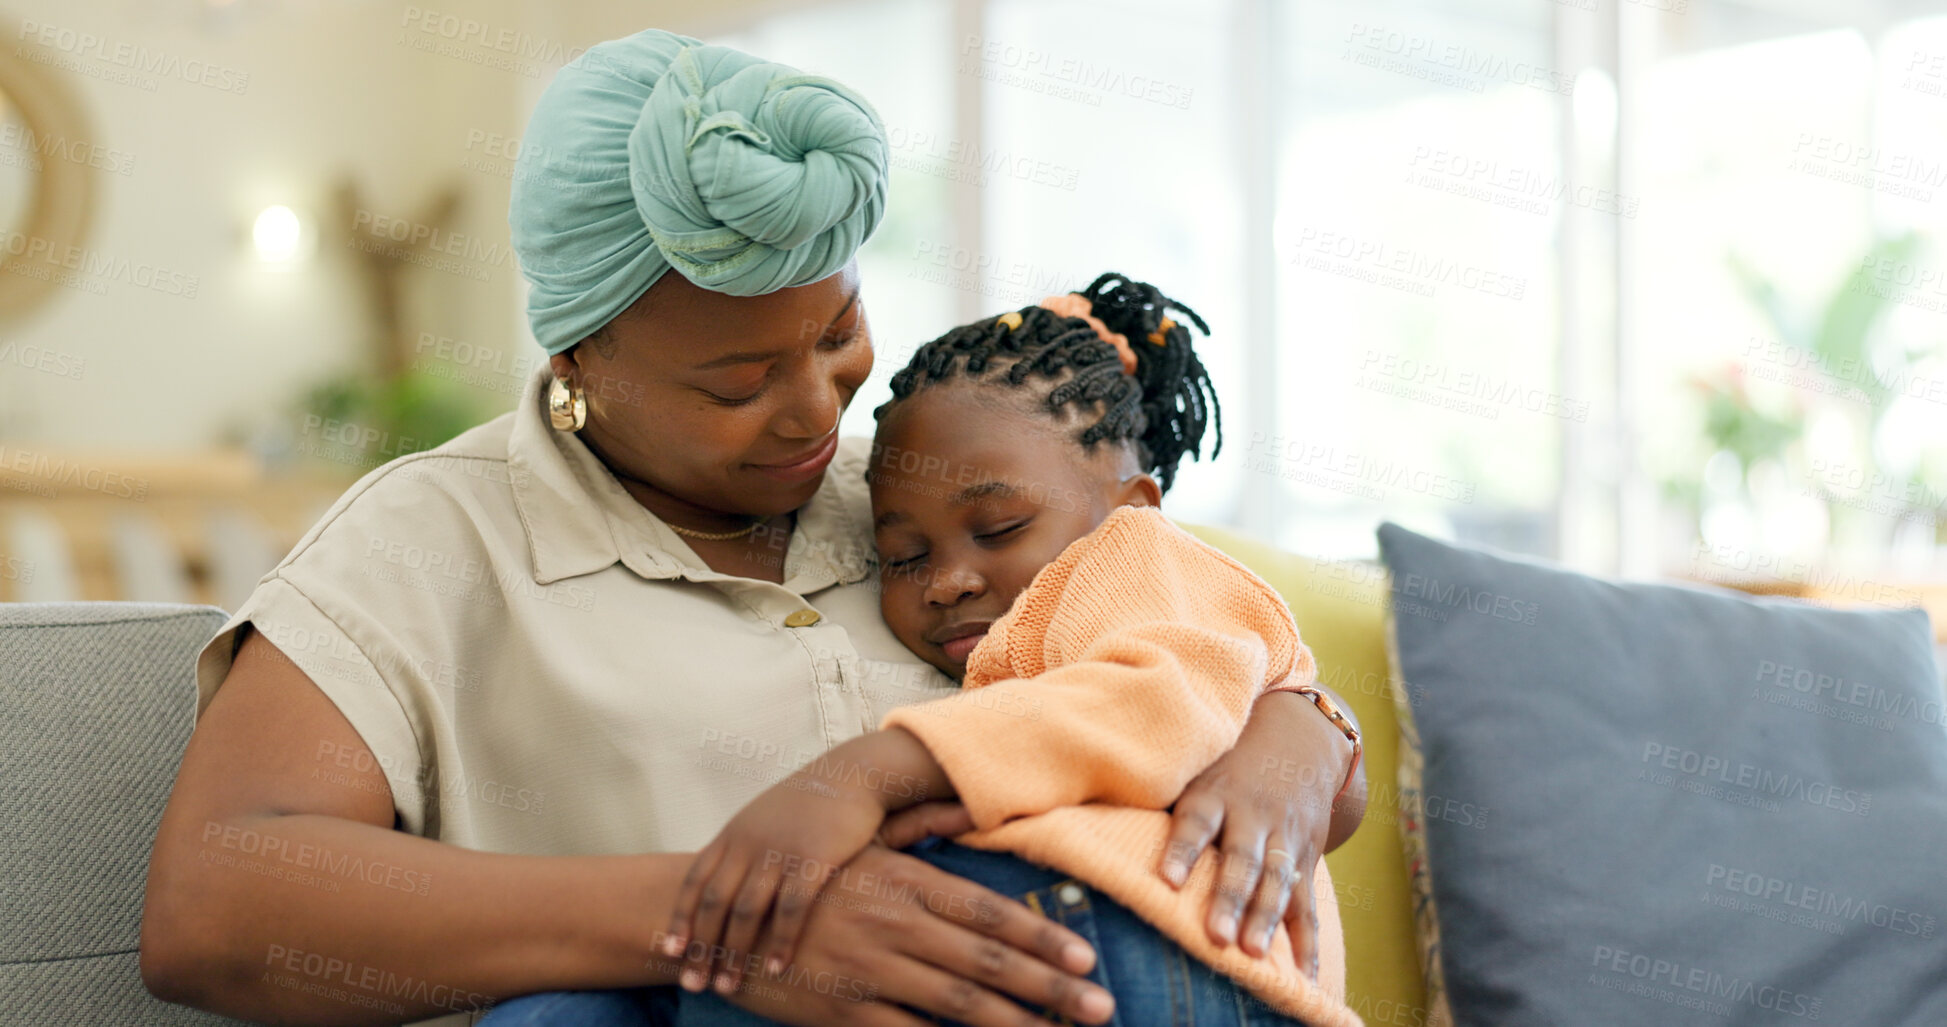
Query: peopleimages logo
{"points": [[935, 154], [55, 470], [1692, 986], [16, 136], [1725, 562], [371, 986], [1382, 263], [305, 856], [1712, 769], [1445, 63], [42, 359], [1837, 688], [455, 28], [1000, 57], [1821, 901], [470, 248], [1531, 190], [94, 264], [128, 56], [1458, 595]]}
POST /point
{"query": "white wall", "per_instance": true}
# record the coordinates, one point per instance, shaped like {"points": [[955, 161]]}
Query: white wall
{"points": [[332, 88]]}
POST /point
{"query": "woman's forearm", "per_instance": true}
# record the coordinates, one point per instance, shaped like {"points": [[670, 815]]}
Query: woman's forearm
{"points": [[283, 894], [1310, 741], [310, 919], [1350, 810]]}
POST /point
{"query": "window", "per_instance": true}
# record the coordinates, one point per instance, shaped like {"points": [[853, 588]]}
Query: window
{"points": [[1631, 285], [1419, 192], [1787, 321], [890, 51]]}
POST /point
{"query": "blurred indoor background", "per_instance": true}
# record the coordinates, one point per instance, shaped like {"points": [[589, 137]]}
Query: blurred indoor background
{"points": [[1655, 288]]}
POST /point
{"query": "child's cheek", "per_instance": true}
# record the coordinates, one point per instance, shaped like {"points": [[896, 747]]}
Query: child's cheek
{"points": [[898, 600]]}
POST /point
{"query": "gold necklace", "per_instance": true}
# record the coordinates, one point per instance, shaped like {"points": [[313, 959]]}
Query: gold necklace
{"points": [[717, 536], [708, 536]]}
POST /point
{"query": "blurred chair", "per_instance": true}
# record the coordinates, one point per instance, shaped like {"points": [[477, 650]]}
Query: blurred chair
{"points": [[241, 551], [195, 527], [39, 548], [149, 568], [99, 700]]}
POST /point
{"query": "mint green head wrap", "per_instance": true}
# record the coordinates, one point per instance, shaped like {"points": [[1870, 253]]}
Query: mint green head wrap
{"points": [[656, 151]]}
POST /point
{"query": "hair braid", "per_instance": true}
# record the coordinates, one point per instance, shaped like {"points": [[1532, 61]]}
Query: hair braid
{"points": [[1163, 407]]}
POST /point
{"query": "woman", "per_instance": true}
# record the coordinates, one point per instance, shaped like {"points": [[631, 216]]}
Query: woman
{"points": [[460, 744]]}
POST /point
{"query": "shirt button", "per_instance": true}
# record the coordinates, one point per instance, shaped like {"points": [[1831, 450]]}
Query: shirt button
{"points": [[801, 619], [1071, 893]]}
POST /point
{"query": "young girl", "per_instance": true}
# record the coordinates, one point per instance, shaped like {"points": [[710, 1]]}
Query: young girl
{"points": [[1106, 656]]}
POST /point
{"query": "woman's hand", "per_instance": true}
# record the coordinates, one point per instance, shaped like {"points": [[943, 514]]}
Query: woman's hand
{"points": [[1268, 803], [890, 930], [781, 848]]}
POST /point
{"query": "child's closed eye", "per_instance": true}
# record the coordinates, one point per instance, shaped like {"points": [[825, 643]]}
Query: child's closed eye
{"points": [[1002, 533]]}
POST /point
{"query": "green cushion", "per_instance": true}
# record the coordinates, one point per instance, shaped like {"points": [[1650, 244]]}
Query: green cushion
{"points": [[1340, 609]]}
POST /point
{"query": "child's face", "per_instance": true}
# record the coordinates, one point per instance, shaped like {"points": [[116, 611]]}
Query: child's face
{"points": [[969, 502]]}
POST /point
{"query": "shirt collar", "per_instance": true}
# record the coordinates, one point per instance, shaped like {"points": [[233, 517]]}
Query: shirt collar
{"points": [[579, 520], [832, 544]]}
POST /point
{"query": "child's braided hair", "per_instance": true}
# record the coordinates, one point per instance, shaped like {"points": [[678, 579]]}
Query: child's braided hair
{"points": [[1163, 406]]}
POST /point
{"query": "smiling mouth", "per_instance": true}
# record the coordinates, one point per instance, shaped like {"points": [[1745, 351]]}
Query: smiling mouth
{"points": [[806, 457], [815, 460]]}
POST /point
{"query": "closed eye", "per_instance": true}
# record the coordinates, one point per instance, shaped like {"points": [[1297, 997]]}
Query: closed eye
{"points": [[737, 401], [994, 536], [730, 401]]}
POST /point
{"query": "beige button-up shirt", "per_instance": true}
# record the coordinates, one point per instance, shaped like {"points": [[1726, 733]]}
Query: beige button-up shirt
{"points": [[541, 666]]}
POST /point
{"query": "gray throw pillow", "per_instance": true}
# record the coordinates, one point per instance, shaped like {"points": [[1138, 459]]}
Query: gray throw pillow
{"points": [[1705, 808]]}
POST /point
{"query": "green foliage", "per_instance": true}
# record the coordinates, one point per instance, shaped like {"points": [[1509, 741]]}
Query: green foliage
{"points": [[1835, 340], [1732, 423], [411, 412], [1838, 335]]}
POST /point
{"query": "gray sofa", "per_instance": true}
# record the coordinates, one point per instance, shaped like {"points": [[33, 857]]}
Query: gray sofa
{"points": [[99, 699]]}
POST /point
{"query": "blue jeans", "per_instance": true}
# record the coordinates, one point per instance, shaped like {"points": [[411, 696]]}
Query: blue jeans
{"points": [[1153, 980]]}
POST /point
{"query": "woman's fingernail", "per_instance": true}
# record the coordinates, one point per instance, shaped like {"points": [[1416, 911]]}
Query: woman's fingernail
{"points": [[726, 984], [1227, 927], [774, 967], [693, 979], [1078, 957], [1096, 1003], [673, 945], [1173, 872]]}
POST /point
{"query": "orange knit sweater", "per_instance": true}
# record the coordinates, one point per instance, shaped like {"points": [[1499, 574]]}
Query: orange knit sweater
{"points": [[1125, 668]]}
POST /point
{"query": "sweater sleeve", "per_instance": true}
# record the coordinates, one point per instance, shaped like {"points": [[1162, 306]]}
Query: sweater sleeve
{"points": [[1139, 653]]}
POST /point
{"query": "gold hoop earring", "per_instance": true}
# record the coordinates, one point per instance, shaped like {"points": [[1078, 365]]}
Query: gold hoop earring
{"points": [[567, 407]]}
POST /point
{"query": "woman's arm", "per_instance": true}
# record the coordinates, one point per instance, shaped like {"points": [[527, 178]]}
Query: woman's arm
{"points": [[1269, 803], [1294, 748], [279, 891], [767, 867], [262, 902]]}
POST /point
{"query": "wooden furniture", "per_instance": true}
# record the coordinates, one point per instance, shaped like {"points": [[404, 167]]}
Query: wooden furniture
{"points": [[201, 527], [1854, 591]]}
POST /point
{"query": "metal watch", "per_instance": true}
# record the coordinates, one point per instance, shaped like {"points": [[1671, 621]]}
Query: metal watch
{"points": [[1342, 722]]}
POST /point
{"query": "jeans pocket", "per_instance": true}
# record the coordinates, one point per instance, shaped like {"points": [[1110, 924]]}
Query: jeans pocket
{"points": [[1071, 904]]}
